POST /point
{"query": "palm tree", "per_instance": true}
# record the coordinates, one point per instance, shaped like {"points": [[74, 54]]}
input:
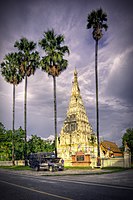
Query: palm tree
{"points": [[54, 63], [96, 20], [10, 71], [29, 61]]}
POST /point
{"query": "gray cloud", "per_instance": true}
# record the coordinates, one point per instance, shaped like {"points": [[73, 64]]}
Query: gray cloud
{"points": [[120, 82]]}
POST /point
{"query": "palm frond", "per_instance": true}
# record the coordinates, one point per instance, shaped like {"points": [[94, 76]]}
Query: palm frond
{"points": [[96, 21], [10, 69], [24, 45], [28, 58], [52, 44]]}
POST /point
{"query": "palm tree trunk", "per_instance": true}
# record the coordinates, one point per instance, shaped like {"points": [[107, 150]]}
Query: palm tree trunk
{"points": [[25, 121], [97, 108], [13, 125], [55, 115]]}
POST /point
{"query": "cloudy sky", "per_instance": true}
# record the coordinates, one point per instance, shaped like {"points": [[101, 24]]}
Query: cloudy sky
{"points": [[30, 18]]}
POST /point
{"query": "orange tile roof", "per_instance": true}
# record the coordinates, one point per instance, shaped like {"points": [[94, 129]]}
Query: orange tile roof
{"points": [[111, 146]]}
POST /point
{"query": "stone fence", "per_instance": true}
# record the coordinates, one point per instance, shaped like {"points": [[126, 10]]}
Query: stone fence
{"points": [[124, 161], [9, 163], [112, 162]]}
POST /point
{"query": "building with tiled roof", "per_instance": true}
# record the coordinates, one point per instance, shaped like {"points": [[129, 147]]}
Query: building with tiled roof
{"points": [[110, 149]]}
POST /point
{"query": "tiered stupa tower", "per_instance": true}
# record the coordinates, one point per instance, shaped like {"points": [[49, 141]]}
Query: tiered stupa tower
{"points": [[76, 131]]}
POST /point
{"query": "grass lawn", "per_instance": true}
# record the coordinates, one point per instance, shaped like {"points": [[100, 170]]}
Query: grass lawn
{"points": [[16, 167], [109, 169], [77, 168]]}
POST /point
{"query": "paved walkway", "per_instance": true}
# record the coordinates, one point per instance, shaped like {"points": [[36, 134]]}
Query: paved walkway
{"points": [[59, 173]]}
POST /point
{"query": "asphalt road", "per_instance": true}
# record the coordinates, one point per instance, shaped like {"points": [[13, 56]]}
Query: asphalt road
{"points": [[116, 186]]}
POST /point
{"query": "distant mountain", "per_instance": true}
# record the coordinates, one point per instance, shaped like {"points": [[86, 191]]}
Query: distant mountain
{"points": [[49, 138]]}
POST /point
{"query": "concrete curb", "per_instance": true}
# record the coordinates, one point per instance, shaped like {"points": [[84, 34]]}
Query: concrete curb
{"points": [[59, 173]]}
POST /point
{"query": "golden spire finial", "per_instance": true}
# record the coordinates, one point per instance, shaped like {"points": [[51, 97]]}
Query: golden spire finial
{"points": [[75, 75], [75, 72], [75, 87]]}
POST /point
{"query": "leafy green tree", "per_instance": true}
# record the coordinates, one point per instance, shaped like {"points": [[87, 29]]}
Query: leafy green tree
{"points": [[6, 143], [128, 138], [10, 71], [54, 63], [49, 147], [96, 20], [2, 132], [29, 61], [36, 144], [19, 139], [2, 140], [6, 146]]}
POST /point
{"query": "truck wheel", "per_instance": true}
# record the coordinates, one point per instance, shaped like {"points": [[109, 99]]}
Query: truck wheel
{"points": [[51, 169], [37, 168]]}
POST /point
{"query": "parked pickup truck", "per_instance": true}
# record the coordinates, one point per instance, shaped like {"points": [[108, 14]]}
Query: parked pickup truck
{"points": [[45, 161]]}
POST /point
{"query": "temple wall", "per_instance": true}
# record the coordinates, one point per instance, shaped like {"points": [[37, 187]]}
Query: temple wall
{"points": [[124, 161], [9, 163], [112, 162], [127, 159]]}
